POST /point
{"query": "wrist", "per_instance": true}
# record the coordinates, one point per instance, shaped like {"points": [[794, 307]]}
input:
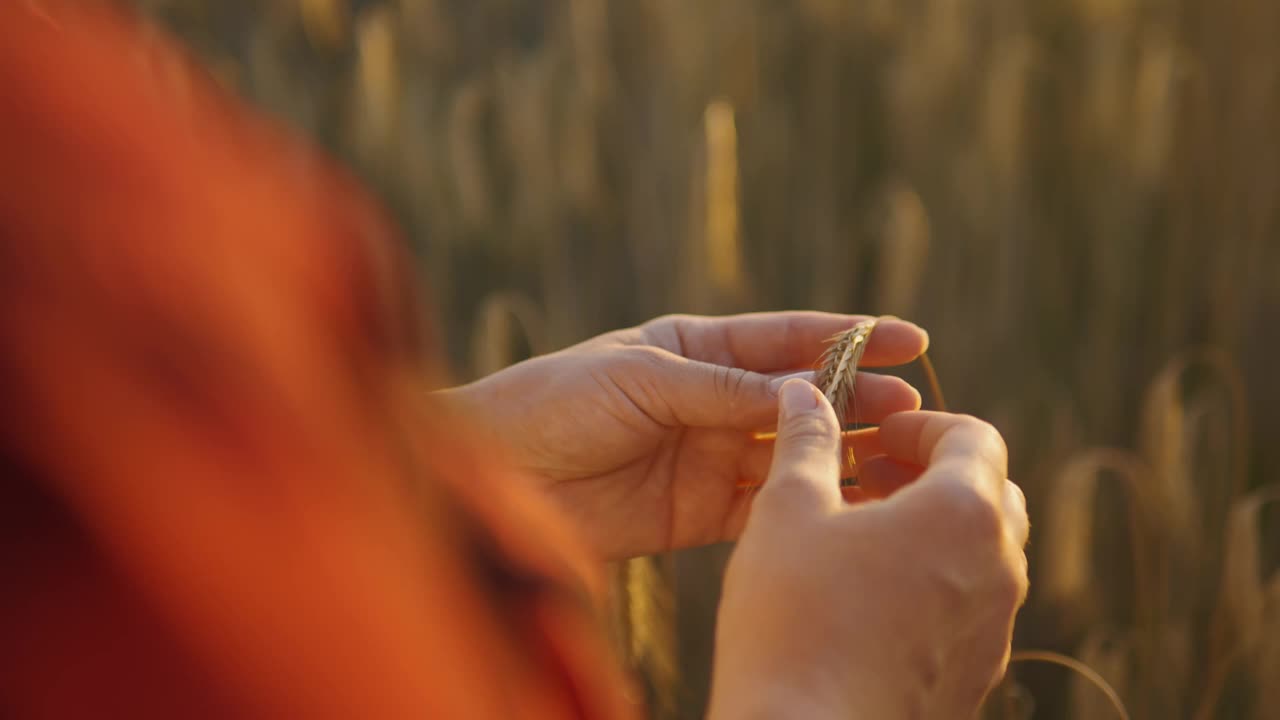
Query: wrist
{"points": [[807, 687], [767, 701]]}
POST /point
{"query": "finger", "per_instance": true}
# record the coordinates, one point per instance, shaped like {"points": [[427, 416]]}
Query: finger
{"points": [[766, 342], [1017, 522], [804, 476], [962, 490], [740, 508], [756, 458], [929, 438], [699, 394], [854, 494], [882, 476]]}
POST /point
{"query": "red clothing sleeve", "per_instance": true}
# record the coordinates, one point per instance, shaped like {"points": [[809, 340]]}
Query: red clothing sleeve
{"points": [[223, 489]]}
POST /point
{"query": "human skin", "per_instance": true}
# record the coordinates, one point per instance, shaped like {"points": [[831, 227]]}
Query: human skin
{"points": [[893, 608], [898, 605], [644, 435]]}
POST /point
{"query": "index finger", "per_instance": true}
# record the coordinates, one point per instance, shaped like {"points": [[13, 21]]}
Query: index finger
{"points": [[772, 341], [926, 438]]}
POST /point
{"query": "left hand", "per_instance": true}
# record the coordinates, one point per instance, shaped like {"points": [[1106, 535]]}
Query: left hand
{"points": [[644, 435]]}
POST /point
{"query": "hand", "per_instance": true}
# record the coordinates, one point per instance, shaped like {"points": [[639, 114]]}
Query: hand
{"points": [[643, 435], [895, 608]]}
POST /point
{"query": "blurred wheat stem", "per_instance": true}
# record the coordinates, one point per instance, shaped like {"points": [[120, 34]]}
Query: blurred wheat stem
{"points": [[1070, 525], [644, 626], [1074, 665], [1218, 673], [935, 387], [722, 225], [1236, 631]]}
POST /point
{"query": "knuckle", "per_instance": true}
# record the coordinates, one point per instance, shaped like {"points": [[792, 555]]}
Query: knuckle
{"points": [[952, 586], [669, 327], [976, 423], [992, 661], [1004, 586], [1016, 494], [1008, 591], [968, 437], [729, 382], [810, 430], [669, 318], [1020, 581], [644, 357], [983, 430], [788, 490], [789, 498], [976, 514]]}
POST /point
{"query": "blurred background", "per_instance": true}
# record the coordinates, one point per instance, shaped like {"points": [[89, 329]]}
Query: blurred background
{"points": [[1079, 199]]}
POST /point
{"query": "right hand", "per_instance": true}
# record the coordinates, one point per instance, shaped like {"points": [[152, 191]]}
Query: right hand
{"points": [[897, 608]]}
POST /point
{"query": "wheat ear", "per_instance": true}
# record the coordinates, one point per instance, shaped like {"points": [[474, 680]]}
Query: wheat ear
{"points": [[838, 375], [838, 368]]}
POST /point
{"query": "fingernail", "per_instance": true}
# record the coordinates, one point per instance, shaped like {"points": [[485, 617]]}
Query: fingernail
{"points": [[797, 397], [775, 385]]}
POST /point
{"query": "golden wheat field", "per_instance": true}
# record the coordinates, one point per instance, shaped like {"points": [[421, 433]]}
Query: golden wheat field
{"points": [[1080, 199]]}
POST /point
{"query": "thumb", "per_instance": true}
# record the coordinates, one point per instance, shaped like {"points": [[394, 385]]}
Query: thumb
{"points": [[805, 474]]}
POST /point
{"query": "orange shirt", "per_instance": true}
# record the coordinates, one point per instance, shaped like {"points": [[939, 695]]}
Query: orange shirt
{"points": [[224, 491]]}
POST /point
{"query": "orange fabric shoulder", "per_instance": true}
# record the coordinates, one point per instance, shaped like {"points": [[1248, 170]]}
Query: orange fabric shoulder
{"points": [[224, 489]]}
